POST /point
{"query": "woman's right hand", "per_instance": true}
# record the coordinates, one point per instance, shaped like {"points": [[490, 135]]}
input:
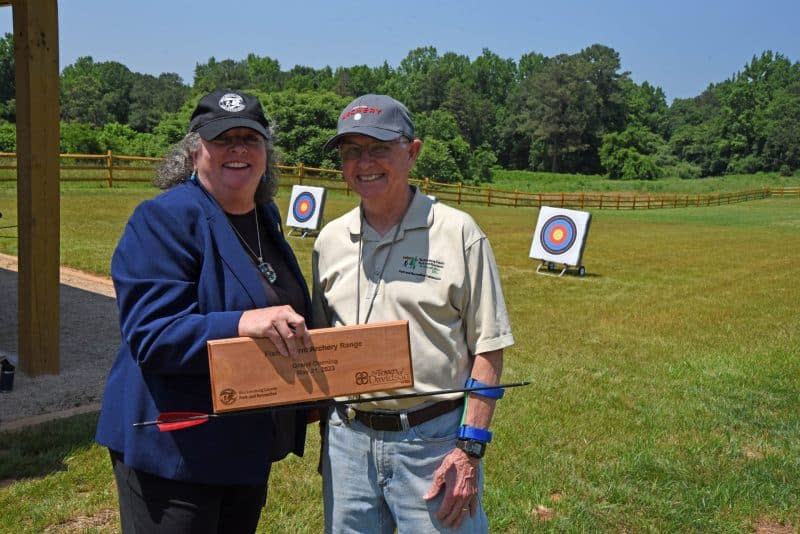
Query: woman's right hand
{"points": [[281, 324]]}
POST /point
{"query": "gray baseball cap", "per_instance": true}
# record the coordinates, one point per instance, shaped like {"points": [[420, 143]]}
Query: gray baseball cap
{"points": [[378, 116]]}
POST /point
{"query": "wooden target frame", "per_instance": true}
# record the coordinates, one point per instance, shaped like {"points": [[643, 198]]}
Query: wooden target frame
{"points": [[560, 238]]}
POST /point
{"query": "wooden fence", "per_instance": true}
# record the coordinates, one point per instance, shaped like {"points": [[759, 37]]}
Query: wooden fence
{"points": [[112, 169]]}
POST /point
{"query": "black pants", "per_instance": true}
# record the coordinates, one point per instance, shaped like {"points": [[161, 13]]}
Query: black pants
{"points": [[149, 504]]}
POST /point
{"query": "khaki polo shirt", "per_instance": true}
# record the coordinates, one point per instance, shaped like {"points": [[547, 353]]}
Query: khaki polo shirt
{"points": [[439, 274]]}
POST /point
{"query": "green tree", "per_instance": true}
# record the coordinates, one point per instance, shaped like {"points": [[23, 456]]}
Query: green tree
{"points": [[225, 74], [440, 126], [151, 97], [781, 130], [360, 80], [302, 78], [79, 138], [630, 154], [482, 163], [436, 163], [553, 108], [7, 82], [645, 105], [95, 93], [303, 122], [8, 137], [263, 73]]}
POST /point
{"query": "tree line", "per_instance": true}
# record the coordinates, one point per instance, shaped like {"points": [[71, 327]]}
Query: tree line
{"points": [[576, 113]]}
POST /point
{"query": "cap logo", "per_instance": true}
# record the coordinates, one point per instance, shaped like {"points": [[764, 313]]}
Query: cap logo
{"points": [[358, 112], [231, 102]]}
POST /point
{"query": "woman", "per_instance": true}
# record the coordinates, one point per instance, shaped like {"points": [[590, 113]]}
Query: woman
{"points": [[204, 260]]}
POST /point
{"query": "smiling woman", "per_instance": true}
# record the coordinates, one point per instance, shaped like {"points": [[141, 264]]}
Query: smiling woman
{"points": [[204, 260]]}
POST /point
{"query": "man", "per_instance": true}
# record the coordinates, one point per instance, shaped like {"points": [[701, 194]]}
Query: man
{"points": [[412, 464]]}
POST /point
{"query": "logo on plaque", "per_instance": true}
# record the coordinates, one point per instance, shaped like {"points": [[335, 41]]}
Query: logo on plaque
{"points": [[362, 378], [228, 396]]}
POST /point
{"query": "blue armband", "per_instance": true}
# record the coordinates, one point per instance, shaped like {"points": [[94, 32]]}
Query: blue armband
{"points": [[493, 393], [471, 432]]}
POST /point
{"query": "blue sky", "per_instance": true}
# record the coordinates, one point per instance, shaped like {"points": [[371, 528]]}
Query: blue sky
{"points": [[679, 45]]}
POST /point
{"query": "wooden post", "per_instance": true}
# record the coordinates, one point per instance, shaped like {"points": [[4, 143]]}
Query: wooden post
{"points": [[459, 193], [36, 58], [110, 168], [300, 173]]}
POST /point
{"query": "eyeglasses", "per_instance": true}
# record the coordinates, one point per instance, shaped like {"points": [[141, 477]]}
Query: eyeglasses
{"points": [[227, 141], [353, 152]]}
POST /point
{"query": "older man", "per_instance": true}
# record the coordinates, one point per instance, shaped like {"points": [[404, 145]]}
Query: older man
{"points": [[412, 464]]}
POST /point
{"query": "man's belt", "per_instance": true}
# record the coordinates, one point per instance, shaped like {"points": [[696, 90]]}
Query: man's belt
{"points": [[392, 422]]}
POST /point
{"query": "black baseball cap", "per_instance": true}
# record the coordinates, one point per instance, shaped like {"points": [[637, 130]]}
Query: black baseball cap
{"points": [[378, 116], [222, 110]]}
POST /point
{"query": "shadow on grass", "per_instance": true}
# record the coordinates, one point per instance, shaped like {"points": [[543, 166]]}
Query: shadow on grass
{"points": [[39, 450]]}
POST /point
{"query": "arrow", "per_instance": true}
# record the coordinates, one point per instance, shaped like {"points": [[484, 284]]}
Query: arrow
{"points": [[171, 421]]}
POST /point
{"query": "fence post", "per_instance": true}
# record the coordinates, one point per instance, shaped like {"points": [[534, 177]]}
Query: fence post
{"points": [[109, 168], [300, 173], [601, 200], [489, 196], [459, 193]]}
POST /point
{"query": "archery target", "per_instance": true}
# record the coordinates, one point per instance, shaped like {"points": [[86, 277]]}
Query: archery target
{"points": [[305, 207], [560, 235]]}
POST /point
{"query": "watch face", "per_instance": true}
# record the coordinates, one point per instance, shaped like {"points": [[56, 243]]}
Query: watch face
{"points": [[474, 449]]}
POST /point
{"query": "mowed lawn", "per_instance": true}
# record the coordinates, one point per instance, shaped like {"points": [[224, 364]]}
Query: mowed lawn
{"points": [[665, 391]]}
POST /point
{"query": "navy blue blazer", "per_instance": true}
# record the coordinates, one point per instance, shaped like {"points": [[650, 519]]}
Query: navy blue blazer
{"points": [[182, 278]]}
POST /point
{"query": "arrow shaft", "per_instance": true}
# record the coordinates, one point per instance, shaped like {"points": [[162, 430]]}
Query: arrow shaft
{"points": [[167, 420]]}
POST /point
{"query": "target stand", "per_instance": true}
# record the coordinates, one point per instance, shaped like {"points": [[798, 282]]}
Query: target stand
{"points": [[304, 216], [560, 238]]}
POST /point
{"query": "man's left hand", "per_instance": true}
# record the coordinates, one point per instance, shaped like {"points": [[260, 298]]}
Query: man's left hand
{"points": [[458, 476]]}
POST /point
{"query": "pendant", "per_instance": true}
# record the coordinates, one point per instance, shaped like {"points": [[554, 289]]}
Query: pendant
{"points": [[268, 272]]}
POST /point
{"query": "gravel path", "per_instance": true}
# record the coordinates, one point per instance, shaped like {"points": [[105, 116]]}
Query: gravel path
{"points": [[89, 337]]}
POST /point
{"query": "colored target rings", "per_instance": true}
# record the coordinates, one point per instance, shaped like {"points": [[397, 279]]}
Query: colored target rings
{"points": [[304, 207], [558, 234]]}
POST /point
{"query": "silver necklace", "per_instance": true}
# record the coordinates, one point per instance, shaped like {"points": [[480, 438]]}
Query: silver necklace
{"points": [[264, 267]]}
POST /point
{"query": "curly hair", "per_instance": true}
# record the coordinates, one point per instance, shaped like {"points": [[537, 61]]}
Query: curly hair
{"points": [[178, 166]]}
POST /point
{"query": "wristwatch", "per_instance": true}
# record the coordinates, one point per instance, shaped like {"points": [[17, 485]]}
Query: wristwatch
{"points": [[473, 447]]}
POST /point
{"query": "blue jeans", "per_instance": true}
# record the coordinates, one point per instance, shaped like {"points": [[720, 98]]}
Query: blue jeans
{"points": [[373, 481]]}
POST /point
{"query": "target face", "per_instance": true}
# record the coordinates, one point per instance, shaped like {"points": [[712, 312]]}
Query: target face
{"points": [[560, 235], [305, 207]]}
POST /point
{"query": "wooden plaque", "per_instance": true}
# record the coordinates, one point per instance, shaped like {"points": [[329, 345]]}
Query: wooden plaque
{"points": [[250, 373]]}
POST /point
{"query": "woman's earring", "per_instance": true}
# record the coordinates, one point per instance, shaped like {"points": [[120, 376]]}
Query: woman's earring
{"points": [[193, 177]]}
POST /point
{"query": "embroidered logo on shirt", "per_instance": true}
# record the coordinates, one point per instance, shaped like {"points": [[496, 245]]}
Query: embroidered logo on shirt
{"points": [[423, 267]]}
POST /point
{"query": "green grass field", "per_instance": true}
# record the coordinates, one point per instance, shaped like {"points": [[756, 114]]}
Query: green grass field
{"points": [[664, 395]]}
